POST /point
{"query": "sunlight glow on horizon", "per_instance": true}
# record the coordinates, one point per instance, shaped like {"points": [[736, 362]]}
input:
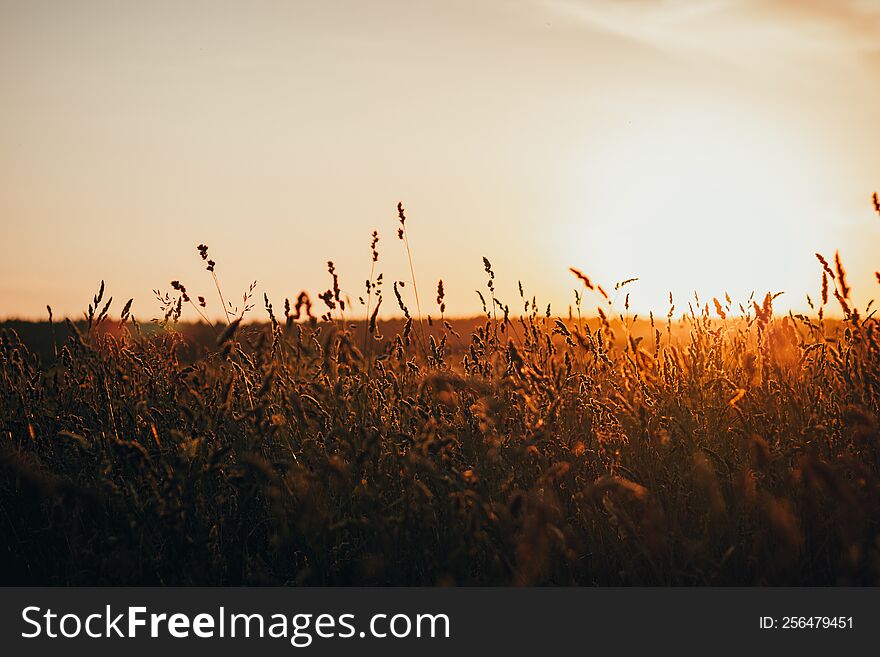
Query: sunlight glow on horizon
{"points": [[704, 201]]}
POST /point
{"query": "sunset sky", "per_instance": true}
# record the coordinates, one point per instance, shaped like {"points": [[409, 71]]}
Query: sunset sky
{"points": [[710, 145]]}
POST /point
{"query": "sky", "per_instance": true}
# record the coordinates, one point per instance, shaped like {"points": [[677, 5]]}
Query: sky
{"points": [[704, 146]]}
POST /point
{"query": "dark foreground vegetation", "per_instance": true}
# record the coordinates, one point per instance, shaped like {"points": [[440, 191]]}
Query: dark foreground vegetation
{"points": [[706, 450]]}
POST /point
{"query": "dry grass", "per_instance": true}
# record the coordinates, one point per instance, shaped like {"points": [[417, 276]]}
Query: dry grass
{"points": [[721, 448]]}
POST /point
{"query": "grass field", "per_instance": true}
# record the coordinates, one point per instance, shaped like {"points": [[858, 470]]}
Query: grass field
{"points": [[716, 445]]}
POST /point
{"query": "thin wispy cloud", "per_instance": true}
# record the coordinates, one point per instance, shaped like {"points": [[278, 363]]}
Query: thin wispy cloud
{"points": [[731, 27]]}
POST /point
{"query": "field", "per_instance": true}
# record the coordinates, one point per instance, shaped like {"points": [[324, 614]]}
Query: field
{"points": [[715, 445]]}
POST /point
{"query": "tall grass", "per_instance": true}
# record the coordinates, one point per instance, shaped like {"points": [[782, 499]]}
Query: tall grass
{"points": [[522, 448]]}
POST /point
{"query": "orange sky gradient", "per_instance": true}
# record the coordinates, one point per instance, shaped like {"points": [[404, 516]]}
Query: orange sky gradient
{"points": [[712, 145]]}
